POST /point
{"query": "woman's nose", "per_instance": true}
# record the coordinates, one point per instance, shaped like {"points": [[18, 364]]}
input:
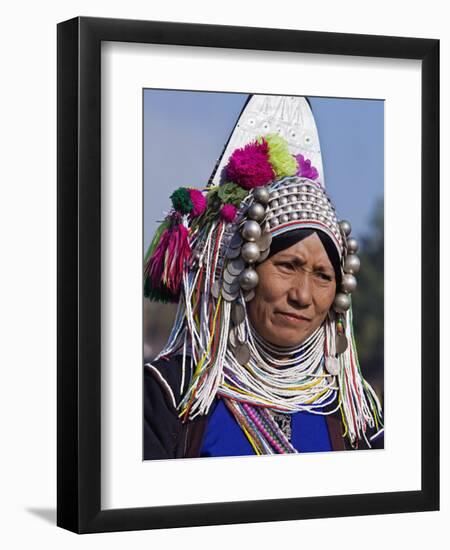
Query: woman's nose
{"points": [[300, 291]]}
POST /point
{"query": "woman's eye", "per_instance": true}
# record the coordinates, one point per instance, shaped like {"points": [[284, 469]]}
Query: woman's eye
{"points": [[286, 265], [325, 276]]}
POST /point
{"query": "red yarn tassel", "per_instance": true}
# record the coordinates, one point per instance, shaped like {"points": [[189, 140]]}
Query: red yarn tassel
{"points": [[178, 252], [166, 266]]}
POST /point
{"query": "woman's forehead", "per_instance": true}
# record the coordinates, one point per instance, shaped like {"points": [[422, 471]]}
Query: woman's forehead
{"points": [[308, 249]]}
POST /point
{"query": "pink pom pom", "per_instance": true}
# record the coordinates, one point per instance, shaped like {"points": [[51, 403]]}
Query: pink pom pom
{"points": [[249, 167], [305, 169], [199, 202], [228, 212]]}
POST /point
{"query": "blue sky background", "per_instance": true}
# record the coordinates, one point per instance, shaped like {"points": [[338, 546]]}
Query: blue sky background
{"points": [[185, 133]]}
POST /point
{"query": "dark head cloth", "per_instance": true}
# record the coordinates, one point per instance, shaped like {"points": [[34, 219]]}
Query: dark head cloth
{"points": [[290, 238]]}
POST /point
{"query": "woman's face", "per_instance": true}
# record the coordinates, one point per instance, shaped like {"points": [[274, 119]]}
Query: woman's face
{"points": [[296, 289]]}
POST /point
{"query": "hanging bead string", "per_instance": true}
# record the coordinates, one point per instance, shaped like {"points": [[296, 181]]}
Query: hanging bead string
{"points": [[214, 329], [264, 434], [359, 408], [255, 437], [298, 382]]}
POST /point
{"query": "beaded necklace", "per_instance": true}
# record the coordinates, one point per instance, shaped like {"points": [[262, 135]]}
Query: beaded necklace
{"points": [[285, 379], [277, 380]]}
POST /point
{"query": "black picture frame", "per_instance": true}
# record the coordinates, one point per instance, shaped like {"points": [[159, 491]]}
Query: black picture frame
{"points": [[79, 280]]}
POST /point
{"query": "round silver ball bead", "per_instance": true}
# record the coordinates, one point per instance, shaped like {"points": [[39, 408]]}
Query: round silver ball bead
{"points": [[250, 252], [346, 227], [283, 201], [261, 195], [248, 279], [352, 264], [251, 231], [256, 212], [349, 283], [284, 218], [274, 222], [341, 303], [352, 245]]}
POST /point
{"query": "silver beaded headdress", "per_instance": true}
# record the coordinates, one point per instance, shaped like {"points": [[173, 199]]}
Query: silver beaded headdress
{"points": [[268, 181]]}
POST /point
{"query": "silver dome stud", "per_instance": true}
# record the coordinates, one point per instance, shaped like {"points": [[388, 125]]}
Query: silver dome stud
{"points": [[352, 264], [251, 231], [352, 245], [256, 212], [346, 227], [349, 282], [341, 303], [261, 194], [274, 222], [250, 252], [248, 279]]}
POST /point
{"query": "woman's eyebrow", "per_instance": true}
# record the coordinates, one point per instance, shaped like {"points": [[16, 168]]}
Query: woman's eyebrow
{"points": [[323, 267], [297, 260]]}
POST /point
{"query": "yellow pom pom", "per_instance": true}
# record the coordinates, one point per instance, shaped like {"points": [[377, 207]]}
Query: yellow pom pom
{"points": [[283, 163]]}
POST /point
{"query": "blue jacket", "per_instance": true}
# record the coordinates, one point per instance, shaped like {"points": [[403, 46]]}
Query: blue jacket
{"points": [[166, 436]]}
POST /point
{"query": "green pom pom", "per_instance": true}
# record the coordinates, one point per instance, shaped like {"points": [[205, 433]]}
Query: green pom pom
{"points": [[181, 200], [283, 163]]}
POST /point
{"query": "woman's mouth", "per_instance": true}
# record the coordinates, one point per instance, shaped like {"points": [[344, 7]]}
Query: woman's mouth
{"points": [[293, 317]]}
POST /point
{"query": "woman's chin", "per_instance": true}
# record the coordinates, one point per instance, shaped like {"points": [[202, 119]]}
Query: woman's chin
{"points": [[286, 340]]}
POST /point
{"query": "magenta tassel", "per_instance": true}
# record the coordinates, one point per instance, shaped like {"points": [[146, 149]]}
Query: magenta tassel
{"points": [[155, 264], [177, 253]]}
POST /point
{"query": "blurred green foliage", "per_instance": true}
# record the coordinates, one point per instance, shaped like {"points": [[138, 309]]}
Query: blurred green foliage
{"points": [[368, 302]]}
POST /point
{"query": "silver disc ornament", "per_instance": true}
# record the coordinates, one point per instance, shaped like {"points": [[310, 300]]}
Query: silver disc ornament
{"points": [[341, 343], [242, 354], [229, 296], [264, 241], [229, 277], [236, 267], [249, 295], [237, 313], [263, 255], [234, 252]]}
